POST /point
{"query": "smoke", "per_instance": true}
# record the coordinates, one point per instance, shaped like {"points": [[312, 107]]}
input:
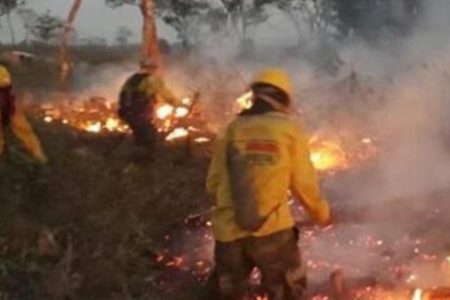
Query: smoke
{"points": [[104, 82], [404, 194], [395, 91]]}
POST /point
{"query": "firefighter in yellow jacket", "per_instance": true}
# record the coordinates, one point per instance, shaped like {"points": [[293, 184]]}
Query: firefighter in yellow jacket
{"points": [[138, 99], [13, 118], [263, 155]]}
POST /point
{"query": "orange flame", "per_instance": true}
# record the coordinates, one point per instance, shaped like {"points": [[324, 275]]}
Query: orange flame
{"points": [[94, 127], [327, 155]]}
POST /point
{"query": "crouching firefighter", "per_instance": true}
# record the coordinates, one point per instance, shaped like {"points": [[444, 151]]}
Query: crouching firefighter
{"points": [[13, 118], [262, 155], [138, 98]]}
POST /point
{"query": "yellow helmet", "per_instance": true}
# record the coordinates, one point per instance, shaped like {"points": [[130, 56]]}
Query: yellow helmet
{"points": [[5, 77], [277, 78]]}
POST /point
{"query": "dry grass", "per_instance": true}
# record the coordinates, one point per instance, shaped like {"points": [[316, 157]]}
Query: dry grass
{"points": [[88, 226]]}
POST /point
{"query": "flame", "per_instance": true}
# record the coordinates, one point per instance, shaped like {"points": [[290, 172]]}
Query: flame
{"points": [[112, 124], [327, 155], [418, 294], [181, 112], [245, 101], [177, 133], [94, 127], [164, 111]]}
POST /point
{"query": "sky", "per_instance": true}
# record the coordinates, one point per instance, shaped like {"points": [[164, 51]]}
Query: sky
{"points": [[95, 19]]}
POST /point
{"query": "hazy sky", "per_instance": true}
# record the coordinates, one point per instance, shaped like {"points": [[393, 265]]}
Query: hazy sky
{"points": [[94, 19]]}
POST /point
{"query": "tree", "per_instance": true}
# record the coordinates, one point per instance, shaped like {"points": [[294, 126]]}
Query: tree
{"points": [[316, 15], [46, 27], [28, 17], [122, 36], [65, 65], [150, 47], [370, 18], [245, 15], [185, 17], [6, 6]]}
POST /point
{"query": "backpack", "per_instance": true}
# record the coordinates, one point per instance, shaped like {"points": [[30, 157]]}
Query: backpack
{"points": [[243, 196], [132, 101]]}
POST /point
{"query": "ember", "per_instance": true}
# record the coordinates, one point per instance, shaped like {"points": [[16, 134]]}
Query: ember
{"points": [[164, 111], [95, 127], [177, 133], [418, 293], [94, 116]]}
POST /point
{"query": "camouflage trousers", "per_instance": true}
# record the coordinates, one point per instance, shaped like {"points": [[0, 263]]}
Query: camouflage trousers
{"points": [[276, 256]]}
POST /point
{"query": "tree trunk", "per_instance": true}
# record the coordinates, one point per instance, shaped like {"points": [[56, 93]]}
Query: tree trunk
{"points": [[11, 29], [65, 65], [150, 45]]}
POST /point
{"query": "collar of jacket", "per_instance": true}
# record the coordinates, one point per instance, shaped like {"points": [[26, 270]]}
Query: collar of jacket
{"points": [[274, 103]]}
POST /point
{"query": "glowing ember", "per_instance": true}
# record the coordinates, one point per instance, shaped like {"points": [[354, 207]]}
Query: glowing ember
{"points": [[202, 140], [417, 295], [181, 112], [112, 124], [164, 111], [366, 141], [177, 133], [95, 127], [186, 101], [48, 119], [411, 278]]}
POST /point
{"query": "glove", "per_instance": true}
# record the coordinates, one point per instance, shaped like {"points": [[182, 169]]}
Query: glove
{"points": [[322, 215]]}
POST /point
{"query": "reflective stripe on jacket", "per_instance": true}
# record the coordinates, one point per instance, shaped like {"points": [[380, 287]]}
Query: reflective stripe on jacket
{"points": [[277, 150]]}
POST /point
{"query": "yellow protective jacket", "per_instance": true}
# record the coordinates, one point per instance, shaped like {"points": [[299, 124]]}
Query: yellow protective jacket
{"points": [[155, 86], [5, 77], [152, 86], [142, 92], [19, 125], [278, 150]]}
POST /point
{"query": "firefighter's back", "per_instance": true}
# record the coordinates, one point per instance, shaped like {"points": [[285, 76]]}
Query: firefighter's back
{"points": [[265, 141]]}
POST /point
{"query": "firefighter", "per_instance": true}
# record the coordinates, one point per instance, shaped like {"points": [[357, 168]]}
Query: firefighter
{"points": [[262, 155], [138, 98], [13, 118]]}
